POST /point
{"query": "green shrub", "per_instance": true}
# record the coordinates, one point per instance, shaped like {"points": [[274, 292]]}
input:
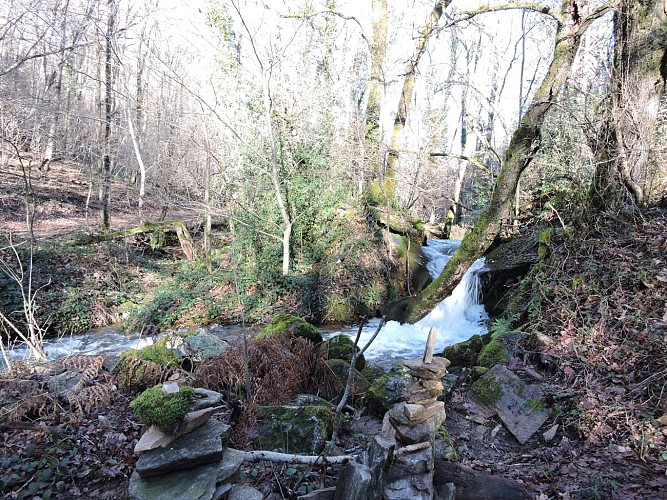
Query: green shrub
{"points": [[165, 411]]}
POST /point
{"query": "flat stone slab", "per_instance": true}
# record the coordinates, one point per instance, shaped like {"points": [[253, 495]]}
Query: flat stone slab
{"points": [[411, 414], [198, 483], [434, 370], [518, 405], [155, 438], [424, 391], [230, 466], [205, 399], [244, 492], [201, 446]]}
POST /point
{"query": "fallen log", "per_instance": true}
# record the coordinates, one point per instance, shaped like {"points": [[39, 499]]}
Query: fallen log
{"points": [[473, 486], [181, 230]]}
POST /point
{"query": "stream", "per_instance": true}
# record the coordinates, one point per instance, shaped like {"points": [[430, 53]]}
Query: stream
{"points": [[456, 319]]}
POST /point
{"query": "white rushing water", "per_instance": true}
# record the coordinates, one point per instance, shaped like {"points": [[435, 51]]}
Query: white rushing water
{"points": [[457, 318]]}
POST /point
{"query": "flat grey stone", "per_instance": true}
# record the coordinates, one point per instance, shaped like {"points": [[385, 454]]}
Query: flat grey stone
{"points": [[520, 406], [445, 491], [205, 399], [230, 466], [198, 483], [201, 446], [244, 492], [354, 483]]}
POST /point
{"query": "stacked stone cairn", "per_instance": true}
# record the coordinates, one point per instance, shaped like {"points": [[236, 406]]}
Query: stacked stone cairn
{"points": [[413, 423], [193, 463]]}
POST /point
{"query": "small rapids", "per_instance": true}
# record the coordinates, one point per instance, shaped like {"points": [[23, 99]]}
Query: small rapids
{"points": [[457, 318]]}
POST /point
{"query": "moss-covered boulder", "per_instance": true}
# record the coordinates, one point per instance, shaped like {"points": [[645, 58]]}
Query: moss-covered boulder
{"points": [[492, 354], [341, 347], [300, 427], [466, 353], [288, 324], [165, 411], [373, 371], [388, 390], [138, 370]]}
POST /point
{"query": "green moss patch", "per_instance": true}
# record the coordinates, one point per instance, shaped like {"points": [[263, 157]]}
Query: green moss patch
{"points": [[165, 411], [492, 354], [488, 390], [342, 347]]}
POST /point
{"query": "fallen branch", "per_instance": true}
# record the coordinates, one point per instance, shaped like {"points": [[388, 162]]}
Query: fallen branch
{"points": [[178, 226], [287, 458]]}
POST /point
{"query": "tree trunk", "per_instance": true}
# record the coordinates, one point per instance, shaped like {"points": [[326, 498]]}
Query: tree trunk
{"points": [[275, 179], [372, 137], [405, 101], [520, 152], [630, 129], [108, 100], [140, 161]]}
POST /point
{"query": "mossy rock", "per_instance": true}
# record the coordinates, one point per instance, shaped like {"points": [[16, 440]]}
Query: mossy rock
{"points": [[301, 427], [492, 354], [138, 370], [159, 354], [465, 353], [340, 347], [373, 371], [165, 411], [288, 324], [388, 389], [487, 389]]}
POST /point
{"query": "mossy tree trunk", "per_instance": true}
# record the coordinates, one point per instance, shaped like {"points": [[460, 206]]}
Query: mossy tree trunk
{"points": [[629, 145], [523, 146], [372, 138], [407, 92]]}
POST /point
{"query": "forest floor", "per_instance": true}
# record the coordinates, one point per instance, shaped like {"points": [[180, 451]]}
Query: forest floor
{"points": [[61, 196], [599, 304]]}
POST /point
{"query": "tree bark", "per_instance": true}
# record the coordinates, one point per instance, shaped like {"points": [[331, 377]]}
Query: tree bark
{"points": [[630, 128], [407, 92], [372, 138], [520, 152], [108, 100]]}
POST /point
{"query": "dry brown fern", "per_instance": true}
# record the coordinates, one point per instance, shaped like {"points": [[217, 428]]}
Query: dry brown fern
{"points": [[278, 370]]}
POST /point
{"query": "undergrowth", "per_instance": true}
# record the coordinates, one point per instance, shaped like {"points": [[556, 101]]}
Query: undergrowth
{"points": [[279, 368], [601, 297]]}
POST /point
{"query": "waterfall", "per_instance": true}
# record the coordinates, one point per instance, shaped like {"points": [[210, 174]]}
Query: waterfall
{"points": [[457, 318]]}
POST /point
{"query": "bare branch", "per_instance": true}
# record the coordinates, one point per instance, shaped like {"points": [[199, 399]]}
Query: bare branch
{"points": [[310, 15], [469, 159], [27, 58], [286, 458]]}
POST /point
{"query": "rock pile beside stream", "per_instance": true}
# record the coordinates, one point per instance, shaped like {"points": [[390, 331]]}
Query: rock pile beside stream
{"points": [[193, 463], [413, 424]]}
